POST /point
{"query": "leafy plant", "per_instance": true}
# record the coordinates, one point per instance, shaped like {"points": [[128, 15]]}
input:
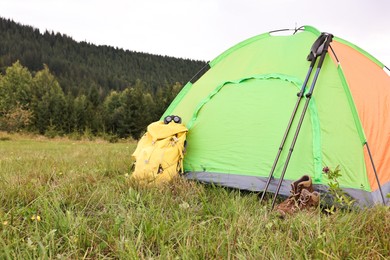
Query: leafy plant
{"points": [[339, 198], [15, 119]]}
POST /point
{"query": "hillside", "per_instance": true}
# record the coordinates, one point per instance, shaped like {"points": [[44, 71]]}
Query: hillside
{"points": [[80, 65], [53, 85]]}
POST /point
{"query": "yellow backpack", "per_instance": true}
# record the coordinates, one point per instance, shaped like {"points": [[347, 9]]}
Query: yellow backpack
{"points": [[159, 153]]}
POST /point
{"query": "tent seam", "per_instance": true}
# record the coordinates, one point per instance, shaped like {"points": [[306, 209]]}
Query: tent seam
{"points": [[352, 106], [316, 130], [295, 81]]}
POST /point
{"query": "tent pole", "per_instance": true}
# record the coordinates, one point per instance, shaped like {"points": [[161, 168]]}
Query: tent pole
{"points": [[322, 49], [376, 174], [300, 95], [200, 73]]}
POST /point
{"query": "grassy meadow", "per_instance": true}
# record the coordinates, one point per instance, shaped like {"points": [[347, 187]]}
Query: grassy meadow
{"points": [[68, 199]]}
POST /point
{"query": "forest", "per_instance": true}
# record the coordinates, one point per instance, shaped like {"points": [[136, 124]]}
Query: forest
{"points": [[51, 84]]}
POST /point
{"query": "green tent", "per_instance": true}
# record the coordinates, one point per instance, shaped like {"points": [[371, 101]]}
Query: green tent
{"points": [[238, 106]]}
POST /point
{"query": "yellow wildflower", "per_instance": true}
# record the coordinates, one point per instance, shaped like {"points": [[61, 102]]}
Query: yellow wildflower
{"points": [[37, 218]]}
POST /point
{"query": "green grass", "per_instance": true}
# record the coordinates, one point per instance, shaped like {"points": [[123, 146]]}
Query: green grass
{"points": [[88, 211]]}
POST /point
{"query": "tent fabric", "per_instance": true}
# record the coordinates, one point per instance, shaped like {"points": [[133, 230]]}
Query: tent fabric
{"points": [[371, 92], [237, 111]]}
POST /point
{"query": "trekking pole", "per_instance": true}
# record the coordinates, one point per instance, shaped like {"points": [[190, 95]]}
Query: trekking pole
{"points": [[300, 95], [313, 58], [322, 50]]}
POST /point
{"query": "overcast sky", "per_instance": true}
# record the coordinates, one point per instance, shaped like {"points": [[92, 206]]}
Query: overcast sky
{"points": [[202, 29]]}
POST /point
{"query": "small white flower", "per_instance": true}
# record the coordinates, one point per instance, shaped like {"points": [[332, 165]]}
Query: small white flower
{"points": [[184, 205]]}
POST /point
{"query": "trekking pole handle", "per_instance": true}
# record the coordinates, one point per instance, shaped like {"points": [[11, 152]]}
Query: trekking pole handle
{"points": [[328, 39]]}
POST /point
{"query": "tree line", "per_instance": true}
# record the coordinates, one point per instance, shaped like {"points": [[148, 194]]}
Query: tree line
{"points": [[37, 103], [50, 83]]}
